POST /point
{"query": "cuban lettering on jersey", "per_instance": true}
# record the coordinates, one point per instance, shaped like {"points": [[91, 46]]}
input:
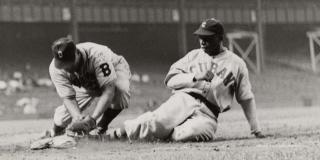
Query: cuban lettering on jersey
{"points": [[230, 76], [213, 66]]}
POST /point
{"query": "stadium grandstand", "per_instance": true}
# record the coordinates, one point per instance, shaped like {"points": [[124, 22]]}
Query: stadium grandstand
{"points": [[152, 11], [146, 29]]}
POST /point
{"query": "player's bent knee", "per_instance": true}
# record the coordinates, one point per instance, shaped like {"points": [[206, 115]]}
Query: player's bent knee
{"points": [[59, 121], [123, 85], [121, 99], [60, 115], [60, 109], [182, 133]]}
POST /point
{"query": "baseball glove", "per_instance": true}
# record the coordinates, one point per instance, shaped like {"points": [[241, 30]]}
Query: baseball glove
{"points": [[84, 125], [58, 142]]}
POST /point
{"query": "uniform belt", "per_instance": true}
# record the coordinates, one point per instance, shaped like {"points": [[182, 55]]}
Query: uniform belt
{"points": [[213, 108]]}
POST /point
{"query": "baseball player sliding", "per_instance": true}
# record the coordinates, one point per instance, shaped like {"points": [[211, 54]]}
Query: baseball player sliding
{"points": [[80, 73], [204, 83]]}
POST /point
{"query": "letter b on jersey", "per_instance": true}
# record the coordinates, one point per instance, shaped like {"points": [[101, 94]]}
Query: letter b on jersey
{"points": [[105, 69]]}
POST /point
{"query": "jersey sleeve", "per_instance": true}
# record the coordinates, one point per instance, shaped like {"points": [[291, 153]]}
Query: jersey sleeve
{"points": [[243, 88], [61, 82], [177, 68], [104, 70]]}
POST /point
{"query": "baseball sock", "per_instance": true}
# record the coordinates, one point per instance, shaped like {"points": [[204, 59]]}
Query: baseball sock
{"points": [[107, 117], [58, 130]]}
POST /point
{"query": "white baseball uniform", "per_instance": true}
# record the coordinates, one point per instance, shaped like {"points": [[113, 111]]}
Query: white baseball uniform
{"points": [[100, 67], [183, 117]]}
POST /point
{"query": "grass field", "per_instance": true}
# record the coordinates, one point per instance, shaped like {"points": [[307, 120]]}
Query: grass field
{"points": [[292, 126]]}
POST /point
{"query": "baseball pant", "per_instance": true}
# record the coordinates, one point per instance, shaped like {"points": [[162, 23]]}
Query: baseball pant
{"points": [[120, 100], [180, 118]]}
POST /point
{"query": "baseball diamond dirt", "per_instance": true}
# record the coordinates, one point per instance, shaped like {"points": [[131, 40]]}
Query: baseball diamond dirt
{"points": [[275, 79], [292, 126], [292, 133]]}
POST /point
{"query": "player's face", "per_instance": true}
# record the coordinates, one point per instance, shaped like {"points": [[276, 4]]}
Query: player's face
{"points": [[210, 44], [69, 67], [73, 66]]}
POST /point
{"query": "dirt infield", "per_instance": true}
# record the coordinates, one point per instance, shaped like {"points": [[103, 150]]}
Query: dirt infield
{"points": [[292, 126], [292, 133]]}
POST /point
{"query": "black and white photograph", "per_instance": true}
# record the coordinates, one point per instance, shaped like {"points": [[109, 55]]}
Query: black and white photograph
{"points": [[159, 79]]}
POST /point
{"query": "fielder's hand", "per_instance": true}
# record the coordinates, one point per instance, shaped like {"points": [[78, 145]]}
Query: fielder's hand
{"points": [[207, 76], [84, 125], [259, 135]]}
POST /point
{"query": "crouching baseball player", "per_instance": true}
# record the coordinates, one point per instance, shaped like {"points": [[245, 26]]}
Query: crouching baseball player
{"points": [[82, 73], [204, 83]]}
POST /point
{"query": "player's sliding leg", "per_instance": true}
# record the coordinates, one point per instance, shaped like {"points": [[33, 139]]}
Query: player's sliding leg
{"points": [[199, 127], [159, 124]]}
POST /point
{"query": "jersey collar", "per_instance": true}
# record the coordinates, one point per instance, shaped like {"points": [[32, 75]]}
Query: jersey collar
{"points": [[224, 51]]}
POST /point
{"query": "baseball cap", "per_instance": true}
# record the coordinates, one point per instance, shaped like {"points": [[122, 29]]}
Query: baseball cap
{"points": [[63, 51], [210, 27]]}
